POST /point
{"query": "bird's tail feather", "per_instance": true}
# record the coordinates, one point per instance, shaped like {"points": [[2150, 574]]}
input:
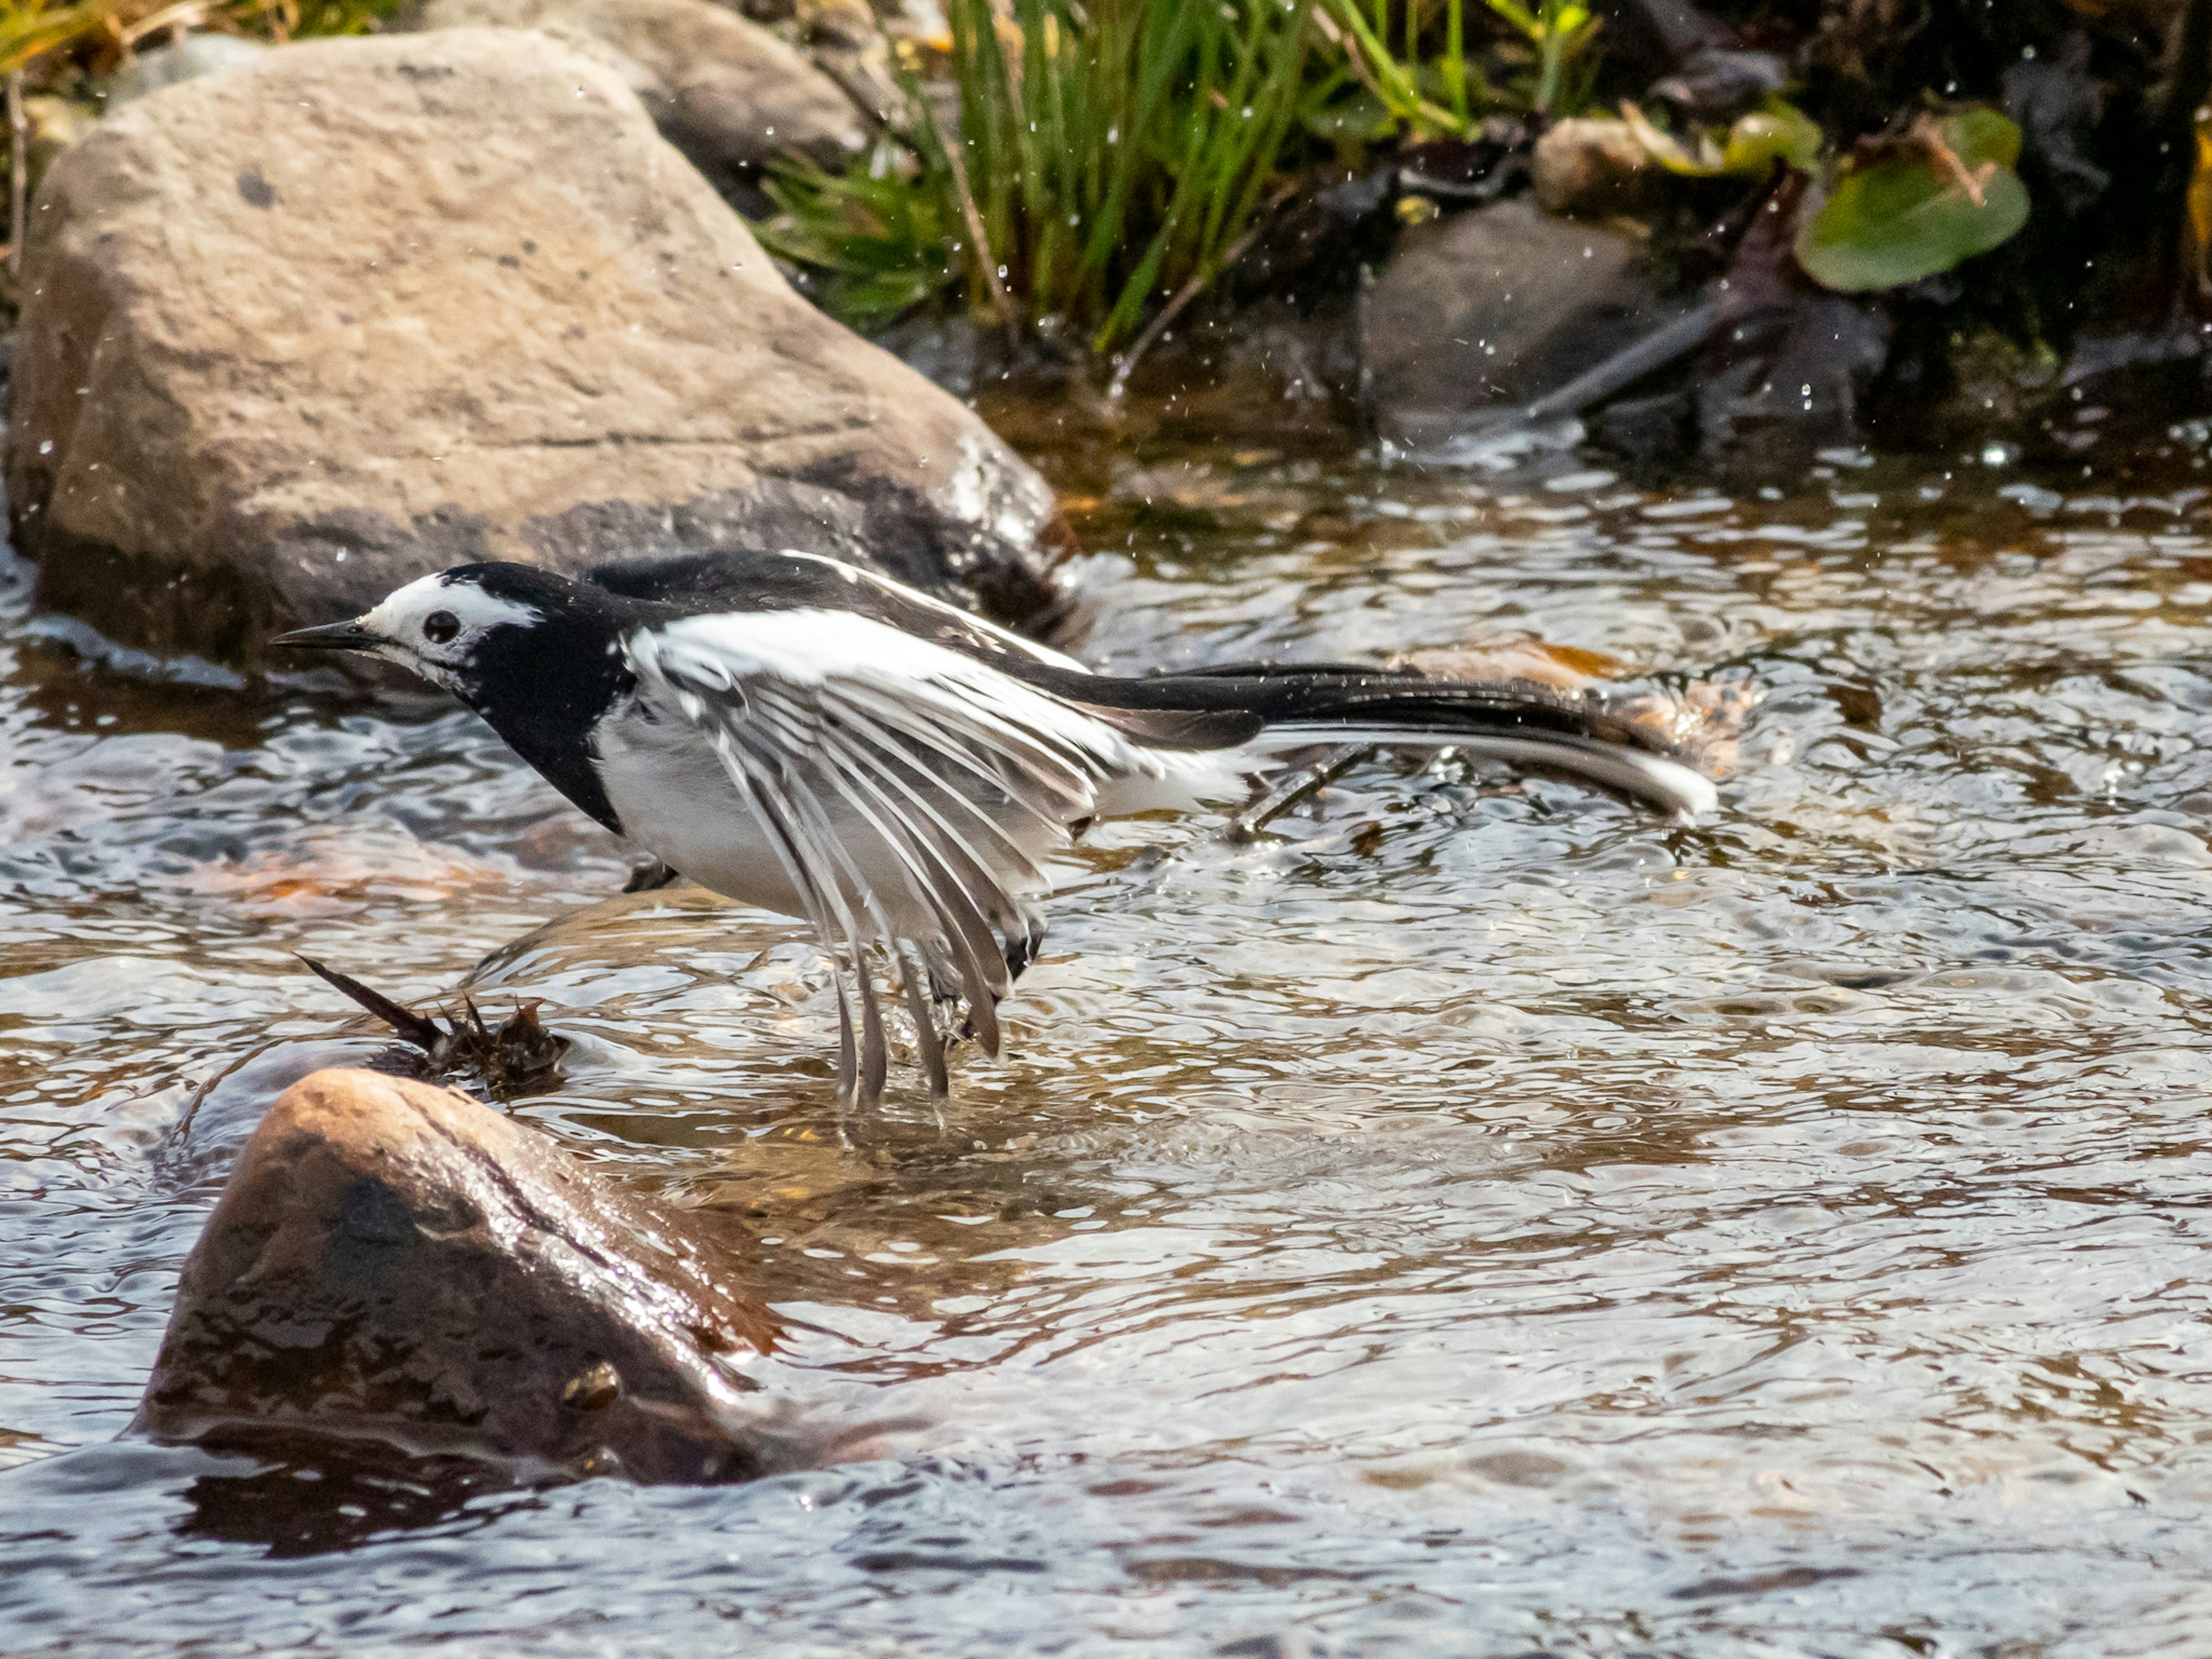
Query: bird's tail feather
{"points": [[1260, 711], [1664, 783]]}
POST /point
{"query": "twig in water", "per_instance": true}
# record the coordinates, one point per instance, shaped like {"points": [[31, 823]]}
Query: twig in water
{"points": [[1246, 825], [1668, 343], [184, 1125]]}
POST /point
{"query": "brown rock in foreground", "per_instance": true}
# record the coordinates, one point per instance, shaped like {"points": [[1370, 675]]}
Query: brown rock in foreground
{"points": [[363, 308], [396, 1262]]}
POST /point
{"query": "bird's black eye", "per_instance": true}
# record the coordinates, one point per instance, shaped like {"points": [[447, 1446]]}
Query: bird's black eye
{"points": [[440, 626]]}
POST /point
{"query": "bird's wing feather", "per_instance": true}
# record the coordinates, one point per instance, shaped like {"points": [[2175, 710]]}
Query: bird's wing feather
{"points": [[868, 755]]}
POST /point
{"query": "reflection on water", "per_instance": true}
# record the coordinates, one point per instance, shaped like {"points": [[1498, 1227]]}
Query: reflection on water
{"points": [[1476, 1217]]}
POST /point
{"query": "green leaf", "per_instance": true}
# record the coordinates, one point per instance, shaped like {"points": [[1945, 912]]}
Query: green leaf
{"points": [[1982, 135], [1520, 16], [1780, 132], [1911, 211]]}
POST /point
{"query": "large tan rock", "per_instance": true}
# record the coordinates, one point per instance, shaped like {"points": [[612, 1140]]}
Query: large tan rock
{"points": [[724, 90], [364, 308], [393, 1261]]}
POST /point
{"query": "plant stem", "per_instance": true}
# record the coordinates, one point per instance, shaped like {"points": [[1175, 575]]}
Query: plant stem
{"points": [[1548, 84], [984, 263], [19, 172], [1454, 65], [1368, 54]]}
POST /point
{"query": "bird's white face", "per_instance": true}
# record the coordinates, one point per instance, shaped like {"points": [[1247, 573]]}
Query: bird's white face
{"points": [[434, 625]]}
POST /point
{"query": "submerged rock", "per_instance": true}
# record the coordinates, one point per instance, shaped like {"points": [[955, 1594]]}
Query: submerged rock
{"points": [[723, 90], [360, 309], [395, 1262], [1484, 311]]}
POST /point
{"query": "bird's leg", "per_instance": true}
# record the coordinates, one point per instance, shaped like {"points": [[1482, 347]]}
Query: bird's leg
{"points": [[944, 977], [848, 1069], [928, 1042], [1288, 792], [1021, 953]]}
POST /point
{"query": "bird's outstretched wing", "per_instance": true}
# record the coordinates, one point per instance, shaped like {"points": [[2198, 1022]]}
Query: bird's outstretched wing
{"points": [[906, 790]]}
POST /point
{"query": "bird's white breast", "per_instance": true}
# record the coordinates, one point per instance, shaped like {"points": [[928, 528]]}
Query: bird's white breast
{"points": [[675, 800]]}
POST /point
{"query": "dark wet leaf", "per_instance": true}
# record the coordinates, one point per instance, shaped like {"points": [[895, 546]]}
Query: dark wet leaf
{"points": [[1788, 370], [519, 1052], [406, 1024], [1918, 207]]}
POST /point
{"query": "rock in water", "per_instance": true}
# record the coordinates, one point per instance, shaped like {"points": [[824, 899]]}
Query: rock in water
{"points": [[1486, 311], [363, 308], [1595, 167], [724, 90], [393, 1261]]}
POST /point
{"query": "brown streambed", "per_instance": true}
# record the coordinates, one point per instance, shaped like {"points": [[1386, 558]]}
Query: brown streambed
{"points": [[1478, 1219]]}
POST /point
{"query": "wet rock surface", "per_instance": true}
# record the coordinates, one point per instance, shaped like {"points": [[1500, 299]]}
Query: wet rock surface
{"points": [[722, 89], [395, 1262], [1481, 313], [490, 313]]}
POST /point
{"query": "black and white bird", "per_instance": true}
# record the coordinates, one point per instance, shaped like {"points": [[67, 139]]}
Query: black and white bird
{"points": [[799, 734]]}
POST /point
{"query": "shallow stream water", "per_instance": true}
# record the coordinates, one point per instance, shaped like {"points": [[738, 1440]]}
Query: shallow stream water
{"points": [[1477, 1218]]}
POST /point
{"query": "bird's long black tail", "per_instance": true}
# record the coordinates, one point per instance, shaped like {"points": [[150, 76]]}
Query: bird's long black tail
{"points": [[1266, 707]]}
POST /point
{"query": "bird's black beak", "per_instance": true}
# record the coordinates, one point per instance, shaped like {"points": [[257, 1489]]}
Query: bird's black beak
{"points": [[330, 636]]}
